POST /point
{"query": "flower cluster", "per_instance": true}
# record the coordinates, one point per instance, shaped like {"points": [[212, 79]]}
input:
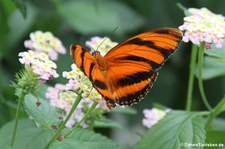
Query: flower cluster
{"points": [[63, 99], [153, 116], [77, 79], [40, 64], [45, 42], [103, 45], [203, 25]]}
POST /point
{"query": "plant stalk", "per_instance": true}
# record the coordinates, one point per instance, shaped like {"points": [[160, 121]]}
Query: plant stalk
{"points": [[20, 101], [216, 111], [200, 82], [193, 58], [59, 130], [85, 116]]}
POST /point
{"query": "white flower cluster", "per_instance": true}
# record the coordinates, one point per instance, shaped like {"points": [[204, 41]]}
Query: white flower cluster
{"points": [[103, 45], [203, 26], [62, 98], [40, 64], [45, 42], [152, 116]]}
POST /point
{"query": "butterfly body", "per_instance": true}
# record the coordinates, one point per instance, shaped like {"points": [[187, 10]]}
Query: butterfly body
{"points": [[126, 73], [100, 61]]}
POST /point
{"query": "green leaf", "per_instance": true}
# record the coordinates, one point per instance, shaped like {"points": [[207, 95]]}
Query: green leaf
{"points": [[218, 124], [214, 63], [44, 114], [212, 67], [28, 136], [126, 110], [5, 112], [85, 139], [21, 5], [220, 107], [215, 137], [90, 17], [18, 26], [159, 106], [107, 123], [177, 128], [41, 90], [216, 52]]}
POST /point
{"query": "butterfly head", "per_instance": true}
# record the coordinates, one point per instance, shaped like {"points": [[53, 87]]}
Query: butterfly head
{"points": [[96, 53]]}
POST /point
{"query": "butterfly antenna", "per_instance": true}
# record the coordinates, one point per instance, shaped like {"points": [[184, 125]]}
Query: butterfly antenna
{"points": [[115, 29], [101, 42], [106, 38]]}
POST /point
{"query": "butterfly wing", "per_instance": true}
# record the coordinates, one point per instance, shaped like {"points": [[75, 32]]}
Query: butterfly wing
{"points": [[83, 59], [134, 64], [86, 62]]}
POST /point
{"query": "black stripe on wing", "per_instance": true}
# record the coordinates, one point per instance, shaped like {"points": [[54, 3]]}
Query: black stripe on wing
{"points": [[151, 44], [100, 84], [137, 96], [134, 78], [82, 58], [90, 71], [174, 32], [153, 64]]}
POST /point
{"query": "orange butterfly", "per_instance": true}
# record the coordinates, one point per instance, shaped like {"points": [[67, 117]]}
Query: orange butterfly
{"points": [[126, 73]]}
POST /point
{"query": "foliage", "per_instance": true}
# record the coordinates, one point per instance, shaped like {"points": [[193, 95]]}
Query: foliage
{"points": [[176, 128]]}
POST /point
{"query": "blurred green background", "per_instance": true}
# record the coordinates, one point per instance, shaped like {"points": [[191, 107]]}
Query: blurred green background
{"points": [[75, 21]]}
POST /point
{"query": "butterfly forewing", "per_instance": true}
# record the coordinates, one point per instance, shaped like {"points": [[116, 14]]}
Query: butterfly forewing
{"points": [[87, 63], [153, 47], [132, 66]]}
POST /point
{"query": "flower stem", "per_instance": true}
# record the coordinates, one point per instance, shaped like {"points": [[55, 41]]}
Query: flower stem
{"points": [[179, 5], [200, 83], [20, 101], [85, 116], [216, 111], [191, 76], [77, 101]]}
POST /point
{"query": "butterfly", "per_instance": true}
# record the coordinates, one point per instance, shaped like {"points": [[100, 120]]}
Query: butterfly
{"points": [[127, 72]]}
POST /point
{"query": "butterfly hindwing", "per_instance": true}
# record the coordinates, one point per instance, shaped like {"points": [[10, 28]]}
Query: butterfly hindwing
{"points": [[130, 83]]}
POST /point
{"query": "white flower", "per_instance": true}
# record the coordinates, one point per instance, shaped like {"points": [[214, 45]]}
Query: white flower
{"points": [[40, 64], [103, 45], [26, 57], [63, 98], [94, 94], [203, 26], [153, 116], [45, 42], [73, 84]]}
